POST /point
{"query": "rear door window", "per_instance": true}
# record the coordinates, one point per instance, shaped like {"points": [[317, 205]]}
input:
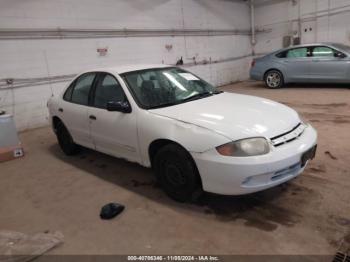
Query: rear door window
{"points": [[81, 91], [298, 53]]}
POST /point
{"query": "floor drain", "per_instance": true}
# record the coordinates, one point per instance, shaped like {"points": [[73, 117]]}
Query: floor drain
{"points": [[343, 254], [341, 257]]}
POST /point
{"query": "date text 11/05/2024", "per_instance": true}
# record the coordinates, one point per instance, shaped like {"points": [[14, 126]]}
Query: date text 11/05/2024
{"points": [[173, 258]]}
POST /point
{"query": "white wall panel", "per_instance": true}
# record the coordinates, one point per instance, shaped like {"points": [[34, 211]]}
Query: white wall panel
{"points": [[55, 57], [329, 20]]}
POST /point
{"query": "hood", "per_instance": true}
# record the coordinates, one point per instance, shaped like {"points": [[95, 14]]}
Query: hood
{"points": [[235, 116]]}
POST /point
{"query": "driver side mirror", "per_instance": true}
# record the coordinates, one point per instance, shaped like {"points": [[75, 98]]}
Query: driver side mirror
{"points": [[123, 107], [339, 55]]}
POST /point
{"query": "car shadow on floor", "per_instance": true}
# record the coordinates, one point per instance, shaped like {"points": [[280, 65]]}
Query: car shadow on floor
{"points": [[308, 85], [259, 210]]}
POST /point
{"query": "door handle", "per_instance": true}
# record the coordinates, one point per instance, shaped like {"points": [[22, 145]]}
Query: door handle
{"points": [[60, 110], [93, 117]]}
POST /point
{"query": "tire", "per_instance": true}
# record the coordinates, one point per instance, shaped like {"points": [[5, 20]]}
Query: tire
{"points": [[177, 173], [274, 79], [65, 140]]}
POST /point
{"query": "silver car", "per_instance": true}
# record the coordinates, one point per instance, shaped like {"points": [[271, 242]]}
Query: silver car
{"points": [[311, 63]]}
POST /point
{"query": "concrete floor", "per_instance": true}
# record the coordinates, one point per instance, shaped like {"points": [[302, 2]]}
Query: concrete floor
{"points": [[47, 190]]}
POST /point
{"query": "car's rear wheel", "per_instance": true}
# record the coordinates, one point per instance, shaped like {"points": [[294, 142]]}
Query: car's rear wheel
{"points": [[65, 140], [274, 79], [177, 173]]}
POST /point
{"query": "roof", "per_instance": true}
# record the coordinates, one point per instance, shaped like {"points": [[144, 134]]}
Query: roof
{"points": [[334, 45], [129, 68], [317, 44]]}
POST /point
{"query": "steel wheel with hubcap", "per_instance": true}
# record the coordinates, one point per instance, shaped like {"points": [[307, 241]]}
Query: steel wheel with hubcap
{"points": [[274, 79]]}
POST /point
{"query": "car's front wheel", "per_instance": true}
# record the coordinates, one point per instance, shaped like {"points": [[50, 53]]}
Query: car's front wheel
{"points": [[177, 173], [274, 79], [65, 140]]}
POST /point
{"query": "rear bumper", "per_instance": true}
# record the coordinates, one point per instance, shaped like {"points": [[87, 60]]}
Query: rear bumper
{"points": [[256, 75], [239, 176]]}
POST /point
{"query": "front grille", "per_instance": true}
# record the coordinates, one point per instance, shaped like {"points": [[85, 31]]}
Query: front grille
{"points": [[288, 136]]}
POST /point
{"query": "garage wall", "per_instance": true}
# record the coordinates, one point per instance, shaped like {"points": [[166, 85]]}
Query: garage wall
{"points": [[52, 46], [312, 20]]}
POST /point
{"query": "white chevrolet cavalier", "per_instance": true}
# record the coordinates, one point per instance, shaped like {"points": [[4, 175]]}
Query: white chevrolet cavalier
{"points": [[194, 136]]}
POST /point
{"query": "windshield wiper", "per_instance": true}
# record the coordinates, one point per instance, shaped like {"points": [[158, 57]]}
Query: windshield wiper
{"points": [[164, 105], [202, 95], [197, 96], [191, 98]]}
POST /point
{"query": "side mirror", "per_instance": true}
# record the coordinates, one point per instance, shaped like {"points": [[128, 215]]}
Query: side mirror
{"points": [[123, 107], [339, 55]]}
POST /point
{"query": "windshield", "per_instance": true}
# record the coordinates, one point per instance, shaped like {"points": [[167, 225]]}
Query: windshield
{"points": [[155, 88]]}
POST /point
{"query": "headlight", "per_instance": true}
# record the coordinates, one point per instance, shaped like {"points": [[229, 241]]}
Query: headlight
{"points": [[246, 147]]}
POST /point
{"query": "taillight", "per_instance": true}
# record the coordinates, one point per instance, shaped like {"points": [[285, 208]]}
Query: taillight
{"points": [[253, 63]]}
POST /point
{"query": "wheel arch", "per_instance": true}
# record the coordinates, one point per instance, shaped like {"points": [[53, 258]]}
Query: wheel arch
{"points": [[55, 121], [157, 144], [273, 69], [284, 79]]}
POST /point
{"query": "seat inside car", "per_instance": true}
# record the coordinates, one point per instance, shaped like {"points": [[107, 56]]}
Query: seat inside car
{"points": [[149, 93], [107, 93]]}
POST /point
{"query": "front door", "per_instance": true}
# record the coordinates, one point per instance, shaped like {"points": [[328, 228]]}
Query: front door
{"points": [[114, 133], [297, 62], [328, 65]]}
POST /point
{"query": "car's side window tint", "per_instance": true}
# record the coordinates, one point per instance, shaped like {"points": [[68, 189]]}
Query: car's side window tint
{"points": [[322, 51], [108, 90], [282, 54], [82, 88], [298, 52]]}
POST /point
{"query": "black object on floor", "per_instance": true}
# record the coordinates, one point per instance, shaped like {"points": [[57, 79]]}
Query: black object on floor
{"points": [[111, 210]]}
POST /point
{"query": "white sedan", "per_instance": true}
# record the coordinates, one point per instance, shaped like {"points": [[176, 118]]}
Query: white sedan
{"points": [[193, 136]]}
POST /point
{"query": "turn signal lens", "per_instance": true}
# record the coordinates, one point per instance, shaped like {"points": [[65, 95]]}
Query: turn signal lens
{"points": [[226, 150], [246, 147]]}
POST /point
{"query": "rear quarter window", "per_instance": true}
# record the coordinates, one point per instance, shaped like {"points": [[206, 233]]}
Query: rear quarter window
{"points": [[68, 94], [282, 54]]}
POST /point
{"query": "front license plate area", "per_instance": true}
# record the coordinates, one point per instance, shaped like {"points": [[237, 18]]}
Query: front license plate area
{"points": [[308, 155]]}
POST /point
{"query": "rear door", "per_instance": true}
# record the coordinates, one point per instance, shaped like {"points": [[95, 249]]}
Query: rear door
{"points": [[73, 109], [114, 133], [297, 63], [328, 65]]}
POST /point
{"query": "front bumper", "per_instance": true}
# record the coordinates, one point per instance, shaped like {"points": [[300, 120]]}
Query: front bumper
{"points": [[245, 175]]}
